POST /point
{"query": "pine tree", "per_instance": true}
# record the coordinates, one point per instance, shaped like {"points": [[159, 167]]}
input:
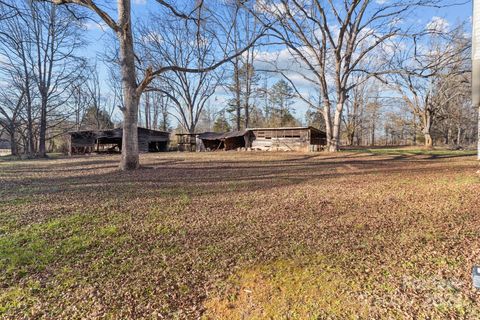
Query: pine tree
{"points": [[221, 123], [281, 99]]}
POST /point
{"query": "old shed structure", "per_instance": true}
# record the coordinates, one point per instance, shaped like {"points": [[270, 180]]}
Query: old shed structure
{"points": [[268, 139], [224, 141], [288, 139], [187, 141], [87, 141], [5, 147]]}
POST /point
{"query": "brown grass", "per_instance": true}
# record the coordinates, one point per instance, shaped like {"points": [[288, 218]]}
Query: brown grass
{"points": [[241, 236]]}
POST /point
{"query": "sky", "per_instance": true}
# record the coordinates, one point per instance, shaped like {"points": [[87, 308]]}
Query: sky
{"points": [[458, 12]]}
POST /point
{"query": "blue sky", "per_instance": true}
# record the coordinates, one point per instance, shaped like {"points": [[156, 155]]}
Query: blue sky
{"points": [[98, 39]]}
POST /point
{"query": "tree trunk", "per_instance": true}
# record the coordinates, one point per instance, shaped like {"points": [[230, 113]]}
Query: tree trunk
{"points": [[30, 142], [328, 122], [13, 142], [427, 127], [156, 101], [334, 144], [428, 140], [372, 134], [130, 159], [478, 133], [42, 150], [247, 115], [414, 130], [238, 105], [459, 135], [147, 111]]}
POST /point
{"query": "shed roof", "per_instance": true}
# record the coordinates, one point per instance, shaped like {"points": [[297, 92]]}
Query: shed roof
{"points": [[286, 128], [221, 136], [116, 130]]}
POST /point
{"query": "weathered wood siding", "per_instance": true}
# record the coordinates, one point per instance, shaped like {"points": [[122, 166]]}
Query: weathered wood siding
{"points": [[148, 140], [290, 139]]}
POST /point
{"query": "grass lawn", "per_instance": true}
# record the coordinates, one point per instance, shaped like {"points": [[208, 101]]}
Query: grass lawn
{"points": [[249, 235]]}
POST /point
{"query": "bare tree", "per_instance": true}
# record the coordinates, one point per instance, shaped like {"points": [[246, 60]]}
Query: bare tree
{"points": [[187, 44], [330, 42], [11, 104], [16, 68], [245, 27], [430, 75], [7, 10], [80, 100], [161, 114], [132, 89], [355, 118], [53, 61]]}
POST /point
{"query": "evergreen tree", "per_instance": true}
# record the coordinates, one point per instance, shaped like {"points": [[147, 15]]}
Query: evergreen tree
{"points": [[243, 89], [221, 123], [314, 118], [281, 100], [95, 118]]}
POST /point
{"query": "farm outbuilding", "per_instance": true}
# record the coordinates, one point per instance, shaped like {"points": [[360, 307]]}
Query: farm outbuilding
{"points": [[271, 139], [224, 141], [87, 141], [288, 139], [186, 141], [5, 147]]}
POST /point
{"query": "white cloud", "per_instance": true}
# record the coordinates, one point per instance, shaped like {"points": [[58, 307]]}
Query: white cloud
{"points": [[152, 37], [438, 24], [140, 2], [92, 25]]}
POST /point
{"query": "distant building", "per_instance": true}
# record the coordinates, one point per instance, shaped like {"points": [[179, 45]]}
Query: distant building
{"points": [[5, 147], [267, 139], [288, 139], [224, 141], [87, 141], [186, 141]]}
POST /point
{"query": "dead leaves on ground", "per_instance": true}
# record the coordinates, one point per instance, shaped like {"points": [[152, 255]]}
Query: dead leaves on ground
{"points": [[235, 235]]}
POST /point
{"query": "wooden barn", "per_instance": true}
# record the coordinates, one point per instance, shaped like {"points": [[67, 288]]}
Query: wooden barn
{"points": [[87, 141], [5, 147], [269, 139], [186, 141], [288, 139]]}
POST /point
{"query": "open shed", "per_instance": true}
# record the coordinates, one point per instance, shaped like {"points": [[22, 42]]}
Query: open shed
{"points": [[225, 141], [87, 141]]}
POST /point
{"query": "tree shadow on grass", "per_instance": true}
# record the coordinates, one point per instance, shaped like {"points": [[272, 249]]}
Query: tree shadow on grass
{"points": [[187, 245], [215, 177]]}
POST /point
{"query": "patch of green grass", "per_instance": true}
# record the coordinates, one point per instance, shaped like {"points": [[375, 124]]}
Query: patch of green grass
{"points": [[108, 231], [18, 297], [24, 252], [289, 289], [32, 248]]}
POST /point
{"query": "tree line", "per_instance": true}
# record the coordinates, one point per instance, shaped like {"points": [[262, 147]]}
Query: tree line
{"points": [[366, 72]]}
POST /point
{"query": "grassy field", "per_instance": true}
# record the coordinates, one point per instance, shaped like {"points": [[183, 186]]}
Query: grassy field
{"points": [[250, 235]]}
